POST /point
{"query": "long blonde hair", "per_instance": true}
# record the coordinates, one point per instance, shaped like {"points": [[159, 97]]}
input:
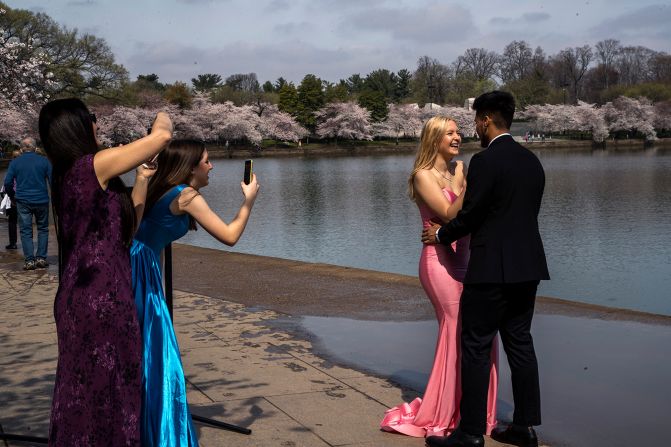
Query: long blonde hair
{"points": [[432, 133]]}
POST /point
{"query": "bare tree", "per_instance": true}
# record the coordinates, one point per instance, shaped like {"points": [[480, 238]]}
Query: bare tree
{"points": [[574, 63], [633, 65], [478, 63], [430, 80], [660, 67], [245, 82], [516, 62], [606, 52]]}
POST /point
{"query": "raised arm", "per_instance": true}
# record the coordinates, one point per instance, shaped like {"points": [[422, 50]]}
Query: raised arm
{"points": [[139, 193], [112, 162], [191, 202]]}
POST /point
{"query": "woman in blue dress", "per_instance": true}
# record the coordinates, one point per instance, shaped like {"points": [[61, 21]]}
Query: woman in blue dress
{"points": [[174, 206]]}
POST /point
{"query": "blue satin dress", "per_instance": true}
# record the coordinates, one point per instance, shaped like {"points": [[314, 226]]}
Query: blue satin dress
{"points": [[166, 420]]}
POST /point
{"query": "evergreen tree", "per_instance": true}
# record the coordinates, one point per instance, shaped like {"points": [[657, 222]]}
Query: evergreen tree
{"points": [[288, 101], [383, 81], [402, 90], [206, 82], [336, 92], [281, 82], [311, 98], [375, 103]]}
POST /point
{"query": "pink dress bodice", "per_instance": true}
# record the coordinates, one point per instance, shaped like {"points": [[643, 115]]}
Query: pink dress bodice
{"points": [[453, 257]]}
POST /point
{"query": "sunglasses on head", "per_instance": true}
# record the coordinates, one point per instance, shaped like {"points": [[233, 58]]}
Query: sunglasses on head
{"points": [[93, 117]]}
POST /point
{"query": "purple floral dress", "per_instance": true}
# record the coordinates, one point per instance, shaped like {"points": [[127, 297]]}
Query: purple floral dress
{"points": [[97, 395]]}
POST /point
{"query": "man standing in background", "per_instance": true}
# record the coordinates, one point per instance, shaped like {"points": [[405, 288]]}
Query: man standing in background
{"points": [[32, 173]]}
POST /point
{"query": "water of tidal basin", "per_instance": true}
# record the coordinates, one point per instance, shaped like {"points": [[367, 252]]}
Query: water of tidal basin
{"points": [[605, 219], [603, 383]]}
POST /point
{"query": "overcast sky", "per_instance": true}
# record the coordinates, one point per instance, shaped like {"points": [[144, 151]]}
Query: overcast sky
{"points": [[178, 39]]}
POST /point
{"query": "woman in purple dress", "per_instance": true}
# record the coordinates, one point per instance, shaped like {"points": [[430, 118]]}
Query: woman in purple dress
{"points": [[98, 379]]}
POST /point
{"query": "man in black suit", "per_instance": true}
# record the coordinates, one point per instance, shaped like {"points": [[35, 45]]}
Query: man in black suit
{"points": [[505, 185]]}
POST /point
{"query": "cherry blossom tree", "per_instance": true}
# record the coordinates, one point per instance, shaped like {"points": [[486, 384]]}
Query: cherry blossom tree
{"points": [[402, 120], [663, 115], [279, 125], [238, 123], [24, 81], [559, 118], [464, 118], [551, 118], [631, 115], [344, 120], [15, 123], [23, 74], [590, 118], [122, 126]]}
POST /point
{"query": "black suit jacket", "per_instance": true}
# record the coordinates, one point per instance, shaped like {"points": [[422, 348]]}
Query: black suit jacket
{"points": [[500, 212]]}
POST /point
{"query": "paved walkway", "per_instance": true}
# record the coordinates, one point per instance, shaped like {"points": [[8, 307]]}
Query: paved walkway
{"points": [[239, 370]]}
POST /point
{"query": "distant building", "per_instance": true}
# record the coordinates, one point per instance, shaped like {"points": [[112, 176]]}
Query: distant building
{"points": [[432, 106], [468, 104]]}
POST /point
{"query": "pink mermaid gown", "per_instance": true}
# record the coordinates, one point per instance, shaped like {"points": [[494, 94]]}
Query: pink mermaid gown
{"points": [[441, 270]]}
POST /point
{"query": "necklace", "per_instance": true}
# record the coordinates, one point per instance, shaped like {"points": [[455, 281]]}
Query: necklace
{"points": [[449, 179]]}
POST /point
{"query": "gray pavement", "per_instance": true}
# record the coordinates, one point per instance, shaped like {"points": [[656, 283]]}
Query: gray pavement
{"points": [[239, 370]]}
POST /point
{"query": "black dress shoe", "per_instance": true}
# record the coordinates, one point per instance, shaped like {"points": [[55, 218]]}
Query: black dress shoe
{"points": [[457, 439], [10, 247], [516, 435]]}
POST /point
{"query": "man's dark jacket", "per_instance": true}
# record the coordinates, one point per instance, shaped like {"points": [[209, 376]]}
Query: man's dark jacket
{"points": [[504, 190]]}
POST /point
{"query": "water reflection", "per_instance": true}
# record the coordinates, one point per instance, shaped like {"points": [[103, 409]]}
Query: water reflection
{"points": [[603, 382]]}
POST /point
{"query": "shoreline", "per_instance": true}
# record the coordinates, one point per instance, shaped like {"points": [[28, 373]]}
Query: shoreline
{"points": [[344, 292], [405, 147], [355, 293]]}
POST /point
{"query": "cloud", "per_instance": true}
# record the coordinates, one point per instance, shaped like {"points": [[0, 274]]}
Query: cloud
{"points": [[293, 27], [534, 17], [289, 59], [201, 2], [498, 21], [519, 22], [82, 3], [437, 22], [652, 21], [278, 5]]}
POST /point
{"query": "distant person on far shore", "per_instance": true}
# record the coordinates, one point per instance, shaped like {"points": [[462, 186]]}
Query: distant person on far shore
{"points": [[437, 185], [32, 174], [174, 205]]}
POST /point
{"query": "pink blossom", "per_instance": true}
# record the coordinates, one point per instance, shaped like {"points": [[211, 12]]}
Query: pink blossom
{"points": [[344, 120]]}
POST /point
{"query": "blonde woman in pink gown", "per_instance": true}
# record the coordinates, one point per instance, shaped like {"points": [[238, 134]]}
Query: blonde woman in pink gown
{"points": [[437, 184]]}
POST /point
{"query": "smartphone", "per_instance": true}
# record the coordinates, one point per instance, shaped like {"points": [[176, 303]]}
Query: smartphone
{"points": [[151, 163], [248, 172]]}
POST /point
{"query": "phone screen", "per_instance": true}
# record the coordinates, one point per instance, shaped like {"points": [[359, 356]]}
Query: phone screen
{"points": [[248, 172]]}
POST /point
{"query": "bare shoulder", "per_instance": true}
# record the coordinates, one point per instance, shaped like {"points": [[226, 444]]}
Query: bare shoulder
{"points": [[188, 192], [187, 196], [423, 175]]}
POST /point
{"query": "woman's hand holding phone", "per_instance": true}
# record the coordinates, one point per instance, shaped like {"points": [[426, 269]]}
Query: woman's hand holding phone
{"points": [[151, 163], [145, 172], [250, 190]]}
